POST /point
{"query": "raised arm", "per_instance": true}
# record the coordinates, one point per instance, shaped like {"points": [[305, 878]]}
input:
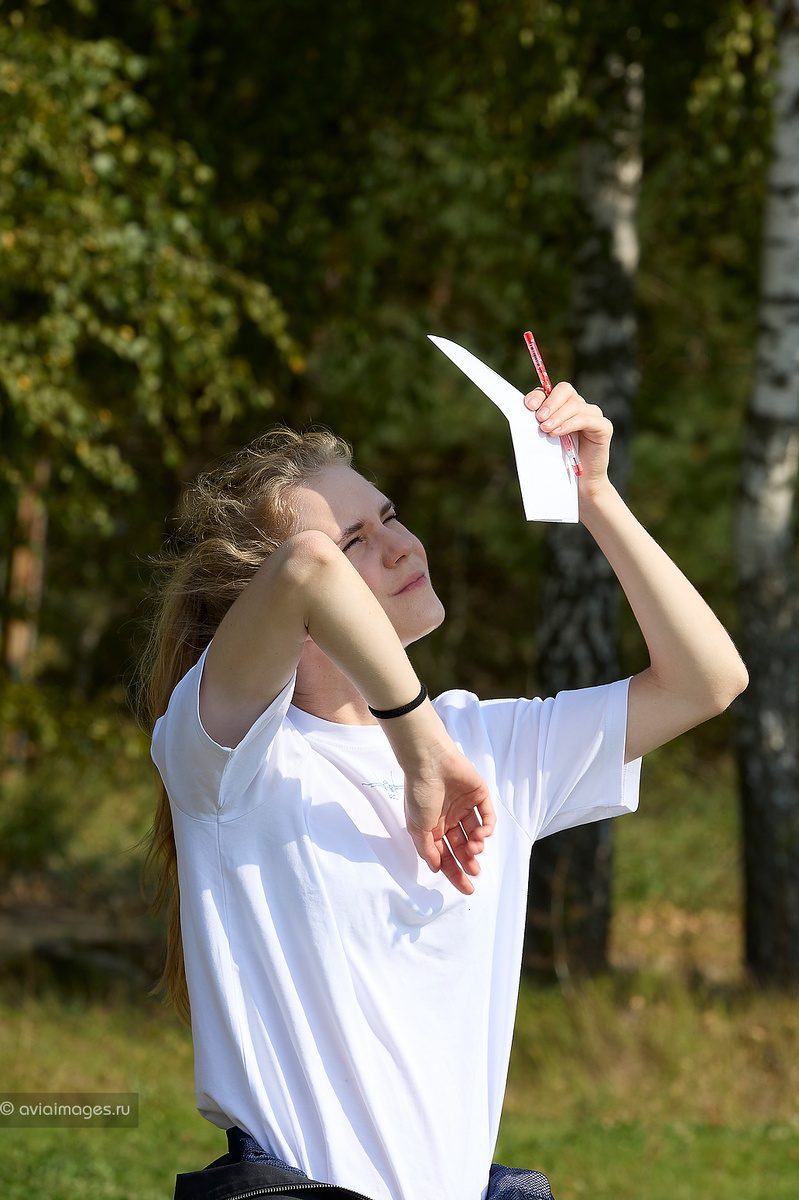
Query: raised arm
{"points": [[307, 588], [695, 672]]}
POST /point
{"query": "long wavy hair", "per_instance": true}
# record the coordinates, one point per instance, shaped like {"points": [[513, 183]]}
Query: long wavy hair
{"points": [[235, 516]]}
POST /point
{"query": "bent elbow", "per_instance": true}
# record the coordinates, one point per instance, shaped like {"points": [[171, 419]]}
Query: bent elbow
{"points": [[742, 680], [738, 681], [306, 553], [727, 688]]}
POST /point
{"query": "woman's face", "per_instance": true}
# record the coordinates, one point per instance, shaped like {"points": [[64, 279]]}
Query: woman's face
{"points": [[390, 560]]}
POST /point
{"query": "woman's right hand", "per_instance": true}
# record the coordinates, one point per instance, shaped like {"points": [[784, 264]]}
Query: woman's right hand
{"points": [[448, 808]]}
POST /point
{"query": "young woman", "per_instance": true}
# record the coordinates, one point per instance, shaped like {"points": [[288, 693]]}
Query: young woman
{"points": [[350, 857]]}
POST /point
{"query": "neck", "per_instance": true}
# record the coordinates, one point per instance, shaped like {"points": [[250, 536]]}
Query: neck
{"points": [[325, 692]]}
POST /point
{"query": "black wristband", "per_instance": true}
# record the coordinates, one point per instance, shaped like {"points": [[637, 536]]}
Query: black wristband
{"points": [[386, 713]]}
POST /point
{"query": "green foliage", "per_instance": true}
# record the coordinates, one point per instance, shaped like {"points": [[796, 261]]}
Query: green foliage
{"points": [[706, 151], [392, 170], [117, 322], [66, 767], [737, 77], [124, 340]]}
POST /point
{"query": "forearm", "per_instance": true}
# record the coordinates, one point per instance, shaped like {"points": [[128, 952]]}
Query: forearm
{"points": [[305, 587], [695, 671], [349, 626], [351, 629]]}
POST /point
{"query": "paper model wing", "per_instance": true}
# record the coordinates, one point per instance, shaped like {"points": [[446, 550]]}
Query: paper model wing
{"points": [[548, 485]]}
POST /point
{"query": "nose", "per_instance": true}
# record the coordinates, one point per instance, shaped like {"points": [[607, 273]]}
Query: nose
{"points": [[398, 544]]}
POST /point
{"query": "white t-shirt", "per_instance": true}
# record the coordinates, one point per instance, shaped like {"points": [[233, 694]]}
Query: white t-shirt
{"points": [[351, 1010]]}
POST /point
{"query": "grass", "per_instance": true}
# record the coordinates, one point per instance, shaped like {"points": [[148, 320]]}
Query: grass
{"points": [[678, 1161], [48, 1046], [667, 1078], [634, 1086], [655, 1049], [682, 847], [677, 878]]}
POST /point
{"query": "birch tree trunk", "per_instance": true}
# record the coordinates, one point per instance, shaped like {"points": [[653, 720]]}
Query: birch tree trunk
{"points": [[768, 711], [570, 875]]}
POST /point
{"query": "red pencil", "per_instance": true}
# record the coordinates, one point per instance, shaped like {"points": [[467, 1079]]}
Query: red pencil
{"points": [[538, 362]]}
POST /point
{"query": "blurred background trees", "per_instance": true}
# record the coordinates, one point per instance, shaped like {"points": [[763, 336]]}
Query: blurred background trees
{"points": [[217, 216]]}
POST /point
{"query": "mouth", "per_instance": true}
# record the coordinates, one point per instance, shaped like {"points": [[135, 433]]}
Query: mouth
{"points": [[415, 581]]}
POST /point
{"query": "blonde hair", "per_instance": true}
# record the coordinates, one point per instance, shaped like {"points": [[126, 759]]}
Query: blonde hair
{"points": [[235, 516]]}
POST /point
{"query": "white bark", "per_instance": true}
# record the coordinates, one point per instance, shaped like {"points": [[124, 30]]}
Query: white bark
{"points": [[769, 477], [569, 907], [768, 723], [775, 394]]}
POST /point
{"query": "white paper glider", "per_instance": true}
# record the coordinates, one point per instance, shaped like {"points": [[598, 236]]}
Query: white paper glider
{"points": [[549, 488]]}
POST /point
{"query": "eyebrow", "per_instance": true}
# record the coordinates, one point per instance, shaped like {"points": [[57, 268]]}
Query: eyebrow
{"points": [[347, 533]]}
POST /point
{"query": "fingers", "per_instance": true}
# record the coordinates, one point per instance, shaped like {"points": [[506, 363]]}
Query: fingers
{"points": [[449, 820], [443, 854], [463, 850], [453, 843], [488, 817], [533, 400], [426, 847], [565, 411], [473, 830], [453, 851], [453, 872], [462, 842]]}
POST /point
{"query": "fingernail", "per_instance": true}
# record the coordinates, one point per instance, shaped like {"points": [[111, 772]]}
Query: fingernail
{"points": [[543, 412]]}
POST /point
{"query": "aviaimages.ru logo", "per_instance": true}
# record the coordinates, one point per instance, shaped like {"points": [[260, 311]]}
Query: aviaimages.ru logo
{"points": [[48, 1110]]}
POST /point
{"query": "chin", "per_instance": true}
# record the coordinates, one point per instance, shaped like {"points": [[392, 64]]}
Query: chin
{"points": [[434, 620]]}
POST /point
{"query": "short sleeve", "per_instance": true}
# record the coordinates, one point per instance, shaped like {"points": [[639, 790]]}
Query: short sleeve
{"points": [[555, 763], [202, 777]]}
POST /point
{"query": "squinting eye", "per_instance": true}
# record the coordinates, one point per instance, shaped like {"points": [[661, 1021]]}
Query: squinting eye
{"points": [[351, 543]]}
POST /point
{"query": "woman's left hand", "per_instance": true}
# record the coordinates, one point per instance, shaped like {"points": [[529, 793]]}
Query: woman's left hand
{"points": [[564, 411]]}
